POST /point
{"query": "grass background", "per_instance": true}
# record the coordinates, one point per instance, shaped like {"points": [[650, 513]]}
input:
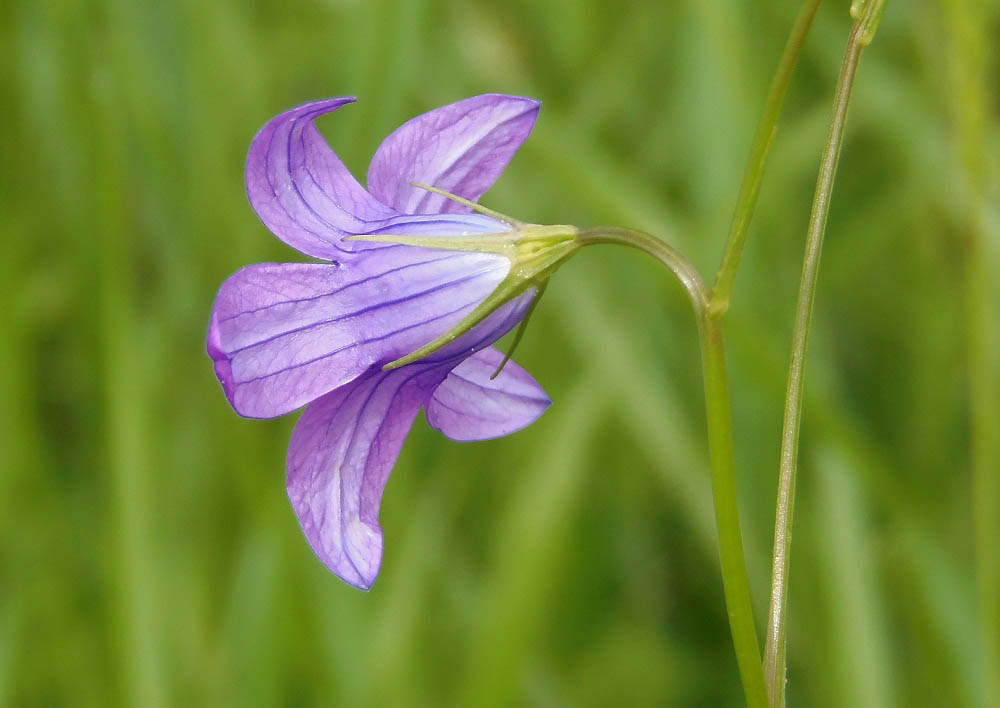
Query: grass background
{"points": [[148, 554]]}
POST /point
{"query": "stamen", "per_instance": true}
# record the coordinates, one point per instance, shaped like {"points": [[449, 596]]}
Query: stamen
{"points": [[472, 242], [509, 220]]}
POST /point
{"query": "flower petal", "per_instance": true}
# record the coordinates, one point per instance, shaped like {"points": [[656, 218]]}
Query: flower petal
{"points": [[339, 459], [468, 405], [283, 335], [461, 148], [301, 190], [306, 196]]}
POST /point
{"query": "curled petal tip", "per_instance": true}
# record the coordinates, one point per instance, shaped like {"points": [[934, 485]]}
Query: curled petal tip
{"points": [[301, 190]]}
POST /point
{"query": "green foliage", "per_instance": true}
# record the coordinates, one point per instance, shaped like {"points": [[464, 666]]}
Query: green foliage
{"points": [[149, 556]]}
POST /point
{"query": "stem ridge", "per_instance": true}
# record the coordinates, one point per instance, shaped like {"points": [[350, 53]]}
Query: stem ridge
{"points": [[774, 649]]}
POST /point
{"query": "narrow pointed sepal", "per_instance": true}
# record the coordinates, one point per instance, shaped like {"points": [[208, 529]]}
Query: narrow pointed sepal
{"points": [[534, 251]]}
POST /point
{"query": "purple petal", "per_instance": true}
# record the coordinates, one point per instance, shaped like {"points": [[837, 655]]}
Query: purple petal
{"points": [[301, 190], [339, 459], [490, 329], [283, 335], [461, 148], [468, 405], [306, 196]]}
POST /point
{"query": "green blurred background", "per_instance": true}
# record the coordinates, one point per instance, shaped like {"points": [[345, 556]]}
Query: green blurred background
{"points": [[148, 554]]}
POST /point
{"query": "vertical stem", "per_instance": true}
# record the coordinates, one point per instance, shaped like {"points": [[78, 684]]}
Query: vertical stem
{"points": [[709, 312], [774, 650], [735, 583], [734, 572], [754, 173]]}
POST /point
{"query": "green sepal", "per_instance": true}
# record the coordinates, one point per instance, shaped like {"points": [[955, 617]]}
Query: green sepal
{"points": [[507, 290], [534, 252], [520, 330], [529, 269]]}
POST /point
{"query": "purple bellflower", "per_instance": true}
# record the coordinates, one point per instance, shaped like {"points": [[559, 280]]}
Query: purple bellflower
{"points": [[419, 283]]}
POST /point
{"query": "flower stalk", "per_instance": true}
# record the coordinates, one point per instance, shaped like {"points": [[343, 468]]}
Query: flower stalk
{"points": [[686, 273], [710, 309], [735, 580], [718, 412], [867, 14]]}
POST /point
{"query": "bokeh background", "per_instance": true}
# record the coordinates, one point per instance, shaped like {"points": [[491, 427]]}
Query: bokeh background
{"points": [[148, 554]]}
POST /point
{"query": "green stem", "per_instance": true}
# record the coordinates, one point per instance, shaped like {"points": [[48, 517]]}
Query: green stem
{"points": [[709, 311], [754, 173], [664, 253], [735, 582], [734, 572], [774, 650]]}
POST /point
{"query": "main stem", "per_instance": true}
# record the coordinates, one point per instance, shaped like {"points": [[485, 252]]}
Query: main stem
{"points": [[735, 582], [774, 650], [709, 311]]}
